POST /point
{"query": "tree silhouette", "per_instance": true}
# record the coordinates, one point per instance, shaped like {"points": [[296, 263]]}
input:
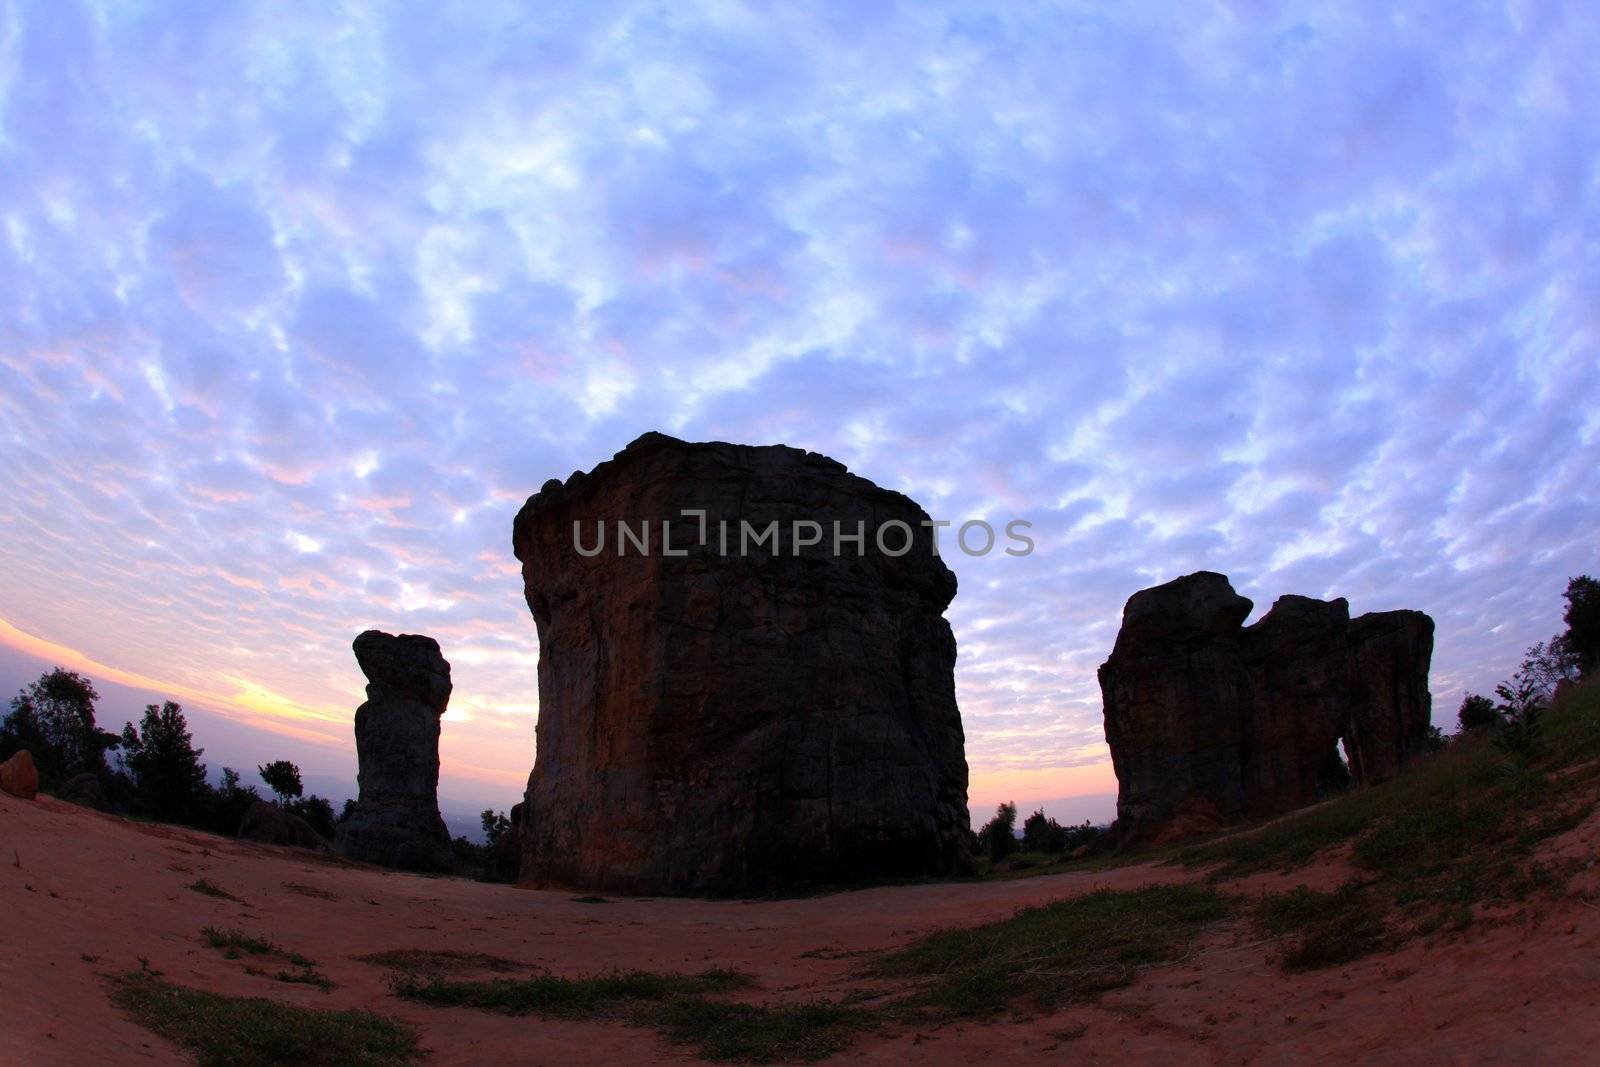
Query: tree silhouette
{"points": [[165, 766], [283, 778]]}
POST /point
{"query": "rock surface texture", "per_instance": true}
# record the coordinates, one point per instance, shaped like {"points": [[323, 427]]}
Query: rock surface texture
{"points": [[717, 717], [18, 776], [1210, 721], [396, 822]]}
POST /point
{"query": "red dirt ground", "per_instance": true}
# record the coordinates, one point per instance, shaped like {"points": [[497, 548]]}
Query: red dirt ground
{"points": [[85, 895]]}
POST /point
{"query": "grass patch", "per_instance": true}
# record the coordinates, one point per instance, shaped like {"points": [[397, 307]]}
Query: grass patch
{"points": [[1455, 833], [205, 888], [565, 998], [427, 961], [751, 1033], [591, 899], [1323, 929], [238, 943], [226, 1031], [310, 891], [1056, 953]]}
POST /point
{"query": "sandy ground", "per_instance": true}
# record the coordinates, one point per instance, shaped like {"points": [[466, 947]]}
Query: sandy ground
{"points": [[84, 895]]}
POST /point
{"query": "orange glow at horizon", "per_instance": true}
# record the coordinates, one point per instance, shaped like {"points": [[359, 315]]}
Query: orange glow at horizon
{"points": [[469, 755]]}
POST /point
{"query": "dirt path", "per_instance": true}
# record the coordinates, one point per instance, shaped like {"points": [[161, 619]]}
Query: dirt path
{"points": [[83, 895]]}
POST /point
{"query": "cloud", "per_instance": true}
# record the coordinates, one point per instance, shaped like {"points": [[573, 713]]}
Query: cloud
{"points": [[296, 308]]}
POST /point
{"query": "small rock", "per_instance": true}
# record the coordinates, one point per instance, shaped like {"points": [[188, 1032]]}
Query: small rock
{"points": [[19, 777]]}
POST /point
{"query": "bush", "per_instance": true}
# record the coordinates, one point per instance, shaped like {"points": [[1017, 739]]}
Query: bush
{"points": [[1519, 710], [316, 811], [1476, 713], [998, 837], [1042, 834]]}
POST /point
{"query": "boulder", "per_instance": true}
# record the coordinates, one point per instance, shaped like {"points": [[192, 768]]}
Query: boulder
{"points": [[86, 790], [396, 821], [733, 699], [1210, 722], [18, 776], [269, 824]]}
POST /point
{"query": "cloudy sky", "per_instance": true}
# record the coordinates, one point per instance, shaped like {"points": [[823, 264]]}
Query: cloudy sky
{"points": [[299, 303]]}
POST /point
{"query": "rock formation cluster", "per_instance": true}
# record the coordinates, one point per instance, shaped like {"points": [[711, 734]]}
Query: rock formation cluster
{"points": [[1210, 721], [396, 821], [717, 715]]}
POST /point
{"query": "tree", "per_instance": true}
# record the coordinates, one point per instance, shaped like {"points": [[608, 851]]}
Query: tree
{"points": [[53, 718], [495, 826], [1582, 617], [1547, 665], [283, 778], [1476, 713], [1519, 710], [229, 803], [998, 836], [165, 766], [317, 812], [1043, 834]]}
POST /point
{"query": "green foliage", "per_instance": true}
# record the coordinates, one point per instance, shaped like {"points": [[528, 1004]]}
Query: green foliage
{"points": [[1476, 713], [164, 765], [1323, 929], [427, 961], [564, 998], [54, 719], [228, 1031], [1582, 616], [757, 1033], [283, 778], [1519, 710], [998, 837], [317, 812], [238, 941], [1043, 834], [223, 809], [348, 809], [1057, 953], [1548, 664], [495, 826]]}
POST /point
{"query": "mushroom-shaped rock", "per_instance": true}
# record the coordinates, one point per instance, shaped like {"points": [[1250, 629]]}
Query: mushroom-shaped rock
{"points": [[396, 821]]}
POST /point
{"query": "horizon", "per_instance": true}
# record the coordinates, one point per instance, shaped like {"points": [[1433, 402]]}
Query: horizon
{"points": [[1305, 299]]}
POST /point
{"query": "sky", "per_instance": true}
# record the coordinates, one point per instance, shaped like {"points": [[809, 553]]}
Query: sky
{"points": [[299, 303]]}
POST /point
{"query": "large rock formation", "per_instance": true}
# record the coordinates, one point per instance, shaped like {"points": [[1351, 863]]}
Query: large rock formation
{"points": [[396, 822], [1210, 721], [721, 715]]}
